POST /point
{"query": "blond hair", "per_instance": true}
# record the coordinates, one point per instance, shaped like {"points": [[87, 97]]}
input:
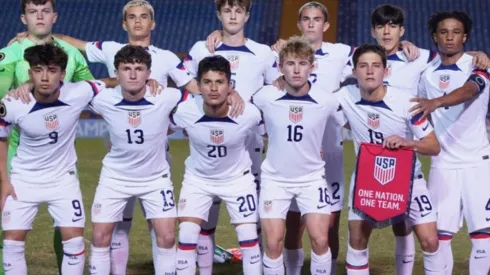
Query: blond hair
{"points": [[314, 5], [138, 3], [297, 46]]}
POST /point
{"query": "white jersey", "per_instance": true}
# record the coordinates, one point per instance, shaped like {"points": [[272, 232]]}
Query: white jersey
{"points": [[217, 145], [372, 122], [164, 63], [295, 127], [46, 151], [138, 134], [252, 65], [460, 129]]}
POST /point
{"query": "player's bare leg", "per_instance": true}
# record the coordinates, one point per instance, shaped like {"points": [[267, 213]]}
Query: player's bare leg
{"points": [[189, 229], [357, 260], [206, 241], [165, 239], [120, 240], [272, 258], [73, 250], [100, 258], [404, 249], [433, 258], [321, 257], [14, 260], [294, 255]]}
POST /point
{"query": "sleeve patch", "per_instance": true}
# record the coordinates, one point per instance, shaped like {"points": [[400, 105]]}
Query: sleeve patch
{"points": [[478, 80], [2, 56]]}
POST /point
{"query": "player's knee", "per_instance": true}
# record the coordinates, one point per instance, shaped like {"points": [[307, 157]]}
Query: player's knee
{"points": [[357, 241], [429, 244], [274, 243], [101, 238], [319, 242], [166, 239]]}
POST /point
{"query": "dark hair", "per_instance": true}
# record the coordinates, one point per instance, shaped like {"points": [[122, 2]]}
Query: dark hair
{"points": [[215, 63], [385, 14], [132, 54], [246, 4], [462, 17], [23, 4], [377, 49], [46, 55]]}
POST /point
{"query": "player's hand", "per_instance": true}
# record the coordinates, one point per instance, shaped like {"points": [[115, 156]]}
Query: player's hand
{"points": [[396, 142], [411, 51], [277, 47], [481, 61], [23, 92], [280, 83], [7, 190], [213, 40], [237, 104], [424, 106], [155, 87], [18, 38]]}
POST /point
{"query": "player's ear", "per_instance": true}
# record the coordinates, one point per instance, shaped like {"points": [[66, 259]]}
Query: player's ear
{"points": [[434, 37], [153, 25], [124, 25], [218, 14], [465, 36], [23, 19], [373, 32], [326, 25], [63, 74], [247, 17], [402, 31], [55, 17]]}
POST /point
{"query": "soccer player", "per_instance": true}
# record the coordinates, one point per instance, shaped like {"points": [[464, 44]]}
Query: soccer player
{"points": [[295, 120], [218, 166], [396, 129], [457, 101], [44, 168], [251, 66]]}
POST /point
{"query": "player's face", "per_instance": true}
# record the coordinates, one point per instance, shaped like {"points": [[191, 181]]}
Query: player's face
{"points": [[388, 36], [369, 71], [312, 24], [138, 22], [450, 36], [296, 70], [46, 79], [133, 77], [214, 87], [39, 18], [233, 18]]}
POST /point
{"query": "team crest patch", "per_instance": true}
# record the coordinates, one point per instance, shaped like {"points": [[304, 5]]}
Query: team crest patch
{"points": [[6, 217], [267, 206], [373, 120], [134, 118], [2, 56], [384, 169], [444, 81], [295, 113], [3, 110], [217, 136], [51, 122], [234, 61], [96, 209]]}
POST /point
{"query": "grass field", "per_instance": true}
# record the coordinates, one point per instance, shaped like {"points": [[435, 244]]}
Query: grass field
{"points": [[41, 257]]}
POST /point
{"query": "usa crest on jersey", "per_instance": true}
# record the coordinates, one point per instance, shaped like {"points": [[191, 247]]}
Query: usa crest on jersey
{"points": [[384, 169], [444, 81], [51, 122], [134, 118], [373, 120], [217, 136], [234, 62], [295, 113]]}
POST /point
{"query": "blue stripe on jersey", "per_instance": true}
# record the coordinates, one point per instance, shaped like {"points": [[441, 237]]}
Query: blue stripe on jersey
{"points": [[320, 52], [415, 119], [243, 48], [140, 102], [380, 104], [452, 67], [206, 118], [394, 57], [98, 44], [306, 97], [352, 49], [39, 106], [93, 86]]}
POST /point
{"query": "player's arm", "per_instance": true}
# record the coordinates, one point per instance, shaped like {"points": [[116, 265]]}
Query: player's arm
{"points": [[480, 60], [77, 43], [5, 127]]}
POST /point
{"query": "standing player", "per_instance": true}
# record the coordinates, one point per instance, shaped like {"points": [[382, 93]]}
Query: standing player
{"points": [[218, 166], [44, 168], [251, 66], [396, 129], [295, 119], [457, 179]]}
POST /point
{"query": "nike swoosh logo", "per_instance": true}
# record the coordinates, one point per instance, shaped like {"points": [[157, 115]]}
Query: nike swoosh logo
{"points": [[246, 215], [480, 257], [165, 210], [335, 203], [423, 215], [488, 219], [255, 262], [320, 207], [425, 128], [76, 220], [182, 268], [73, 263], [406, 262], [202, 253]]}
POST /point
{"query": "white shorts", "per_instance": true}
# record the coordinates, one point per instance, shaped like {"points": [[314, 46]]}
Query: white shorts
{"points": [[64, 201], [333, 155], [275, 199], [422, 210], [111, 197], [239, 195], [461, 192]]}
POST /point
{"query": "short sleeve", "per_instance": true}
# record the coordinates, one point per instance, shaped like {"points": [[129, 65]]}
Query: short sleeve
{"points": [[180, 76], [6, 120], [272, 68], [94, 51], [480, 79], [191, 61], [420, 127]]}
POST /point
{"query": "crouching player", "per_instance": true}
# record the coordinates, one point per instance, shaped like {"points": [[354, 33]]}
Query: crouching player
{"points": [[218, 166]]}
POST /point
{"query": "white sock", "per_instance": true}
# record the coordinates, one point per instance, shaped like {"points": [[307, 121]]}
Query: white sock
{"points": [[14, 259], [480, 253], [434, 263], [73, 256], [293, 260], [333, 271], [186, 252], [165, 261], [273, 267], [445, 239], [249, 245], [100, 260], [357, 261], [120, 246], [321, 264], [205, 251], [405, 254]]}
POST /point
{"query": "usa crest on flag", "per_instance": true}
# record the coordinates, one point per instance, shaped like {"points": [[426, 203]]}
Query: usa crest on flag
{"points": [[134, 118], [373, 120], [444, 81], [51, 122], [217, 136], [295, 113], [384, 169]]}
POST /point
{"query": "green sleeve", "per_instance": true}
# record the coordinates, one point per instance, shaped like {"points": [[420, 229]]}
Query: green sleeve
{"points": [[82, 71], [8, 61]]}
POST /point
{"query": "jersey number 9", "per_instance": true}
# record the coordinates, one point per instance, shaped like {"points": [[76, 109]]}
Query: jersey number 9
{"points": [[53, 136]]}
